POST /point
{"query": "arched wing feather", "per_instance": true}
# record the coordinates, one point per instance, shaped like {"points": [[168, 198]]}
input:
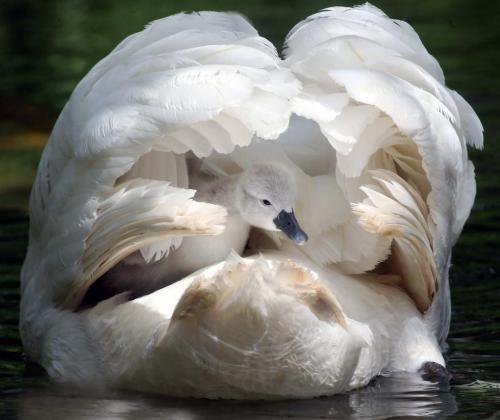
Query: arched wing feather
{"points": [[399, 118], [199, 82]]}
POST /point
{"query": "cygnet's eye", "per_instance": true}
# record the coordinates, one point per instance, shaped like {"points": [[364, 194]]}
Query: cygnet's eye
{"points": [[266, 202]]}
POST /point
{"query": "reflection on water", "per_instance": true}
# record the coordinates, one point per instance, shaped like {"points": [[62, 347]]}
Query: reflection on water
{"points": [[49, 45], [385, 397]]}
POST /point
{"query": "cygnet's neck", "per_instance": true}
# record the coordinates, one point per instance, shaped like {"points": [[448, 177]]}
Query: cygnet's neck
{"points": [[221, 191]]}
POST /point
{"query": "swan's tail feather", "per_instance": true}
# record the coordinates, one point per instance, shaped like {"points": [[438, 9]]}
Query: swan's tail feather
{"points": [[138, 214]]}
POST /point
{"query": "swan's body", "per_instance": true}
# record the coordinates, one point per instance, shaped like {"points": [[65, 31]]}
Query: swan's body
{"points": [[358, 112]]}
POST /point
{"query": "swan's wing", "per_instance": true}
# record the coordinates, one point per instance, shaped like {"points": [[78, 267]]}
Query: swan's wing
{"points": [[202, 82], [400, 138], [138, 213]]}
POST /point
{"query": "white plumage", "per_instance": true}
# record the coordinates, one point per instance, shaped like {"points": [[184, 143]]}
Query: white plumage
{"points": [[358, 112]]}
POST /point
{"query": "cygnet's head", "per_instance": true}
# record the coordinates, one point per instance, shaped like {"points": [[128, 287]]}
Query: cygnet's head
{"points": [[266, 197]]}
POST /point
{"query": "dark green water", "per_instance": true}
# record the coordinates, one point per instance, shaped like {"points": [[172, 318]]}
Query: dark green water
{"points": [[47, 46]]}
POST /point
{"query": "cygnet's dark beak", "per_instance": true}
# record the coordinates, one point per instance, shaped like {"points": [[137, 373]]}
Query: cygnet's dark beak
{"points": [[287, 223]]}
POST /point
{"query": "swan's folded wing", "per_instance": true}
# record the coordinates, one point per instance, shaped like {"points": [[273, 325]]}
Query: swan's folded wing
{"points": [[400, 141]]}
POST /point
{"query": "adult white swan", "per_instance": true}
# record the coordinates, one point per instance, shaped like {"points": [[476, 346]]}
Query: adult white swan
{"points": [[358, 111]]}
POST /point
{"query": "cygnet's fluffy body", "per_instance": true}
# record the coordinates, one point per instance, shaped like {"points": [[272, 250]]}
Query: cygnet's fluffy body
{"points": [[263, 197]]}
